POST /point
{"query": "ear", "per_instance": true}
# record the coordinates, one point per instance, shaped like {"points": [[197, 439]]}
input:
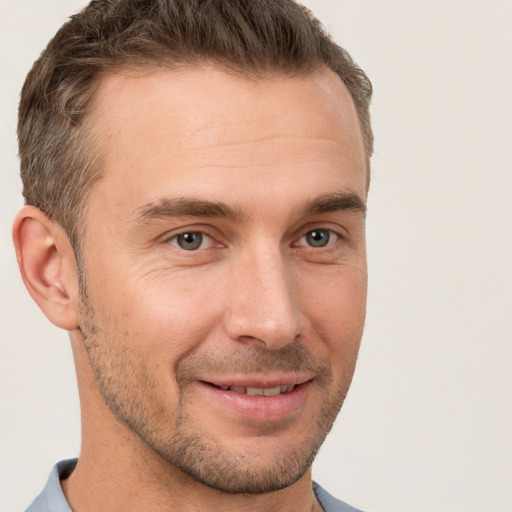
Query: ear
{"points": [[48, 266]]}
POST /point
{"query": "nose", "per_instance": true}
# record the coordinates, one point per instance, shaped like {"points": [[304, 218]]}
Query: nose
{"points": [[264, 306]]}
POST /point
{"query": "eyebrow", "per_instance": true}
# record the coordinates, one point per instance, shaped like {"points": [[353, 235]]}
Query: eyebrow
{"points": [[338, 201], [185, 207], [189, 207]]}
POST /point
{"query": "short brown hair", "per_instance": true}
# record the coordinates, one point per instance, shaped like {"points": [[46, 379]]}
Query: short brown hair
{"points": [[59, 165]]}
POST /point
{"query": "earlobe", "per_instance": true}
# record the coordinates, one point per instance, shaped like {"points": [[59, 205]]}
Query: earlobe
{"points": [[47, 265]]}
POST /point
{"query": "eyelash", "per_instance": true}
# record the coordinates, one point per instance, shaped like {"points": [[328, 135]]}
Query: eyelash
{"points": [[204, 237], [330, 236]]}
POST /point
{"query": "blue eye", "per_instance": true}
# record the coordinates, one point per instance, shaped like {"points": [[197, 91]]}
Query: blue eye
{"points": [[319, 238], [191, 241]]}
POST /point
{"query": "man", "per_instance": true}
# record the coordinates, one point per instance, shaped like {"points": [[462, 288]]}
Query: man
{"points": [[195, 173]]}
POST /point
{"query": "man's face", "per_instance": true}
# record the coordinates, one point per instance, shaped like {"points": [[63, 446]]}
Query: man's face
{"points": [[225, 268]]}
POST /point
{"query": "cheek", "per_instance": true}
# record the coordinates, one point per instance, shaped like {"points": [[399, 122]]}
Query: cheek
{"points": [[168, 314], [336, 307], [337, 291]]}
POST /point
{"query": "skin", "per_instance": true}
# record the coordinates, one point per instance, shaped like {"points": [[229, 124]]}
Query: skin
{"points": [[157, 329]]}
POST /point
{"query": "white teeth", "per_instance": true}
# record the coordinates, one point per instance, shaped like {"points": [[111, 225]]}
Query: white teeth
{"points": [[255, 391], [272, 391], [278, 390]]}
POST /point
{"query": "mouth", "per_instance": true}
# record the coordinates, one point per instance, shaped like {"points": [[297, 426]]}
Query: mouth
{"points": [[258, 399], [273, 391]]}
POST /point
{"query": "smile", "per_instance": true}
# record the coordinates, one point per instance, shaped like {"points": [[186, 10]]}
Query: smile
{"points": [[258, 401], [277, 390]]}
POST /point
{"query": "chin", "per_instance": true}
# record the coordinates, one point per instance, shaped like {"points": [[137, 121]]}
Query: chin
{"points": [[253, 465]]}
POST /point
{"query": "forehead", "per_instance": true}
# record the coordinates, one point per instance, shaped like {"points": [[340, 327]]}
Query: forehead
{"points": [[197, 123]]}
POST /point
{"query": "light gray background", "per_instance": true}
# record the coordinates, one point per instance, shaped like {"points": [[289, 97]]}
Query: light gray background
{"points": [[428, 423]]}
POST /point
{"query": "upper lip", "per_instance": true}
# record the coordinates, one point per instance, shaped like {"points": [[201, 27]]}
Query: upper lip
{"points": [[260, 381]]}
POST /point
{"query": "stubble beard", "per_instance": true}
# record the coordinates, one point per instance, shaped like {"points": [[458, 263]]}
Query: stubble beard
{"points": [[125, 384]]}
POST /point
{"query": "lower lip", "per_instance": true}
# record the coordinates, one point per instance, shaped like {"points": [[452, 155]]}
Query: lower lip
{"points": [[260, 408]]}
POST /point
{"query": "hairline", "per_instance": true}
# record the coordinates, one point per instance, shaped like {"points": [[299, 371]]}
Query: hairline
{"points": [[88, 142]]}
